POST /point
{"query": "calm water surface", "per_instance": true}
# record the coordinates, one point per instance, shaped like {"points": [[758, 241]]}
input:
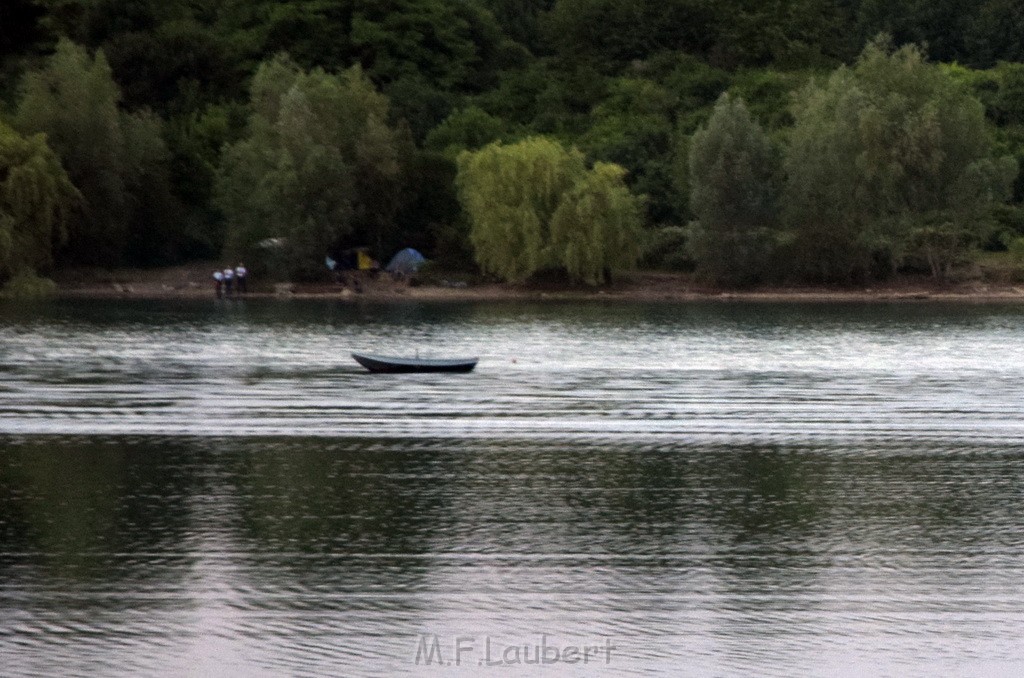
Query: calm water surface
{"points": [[217, 489]]}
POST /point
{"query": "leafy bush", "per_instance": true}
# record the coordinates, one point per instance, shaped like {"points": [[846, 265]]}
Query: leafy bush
{"points": [[28, 285]]}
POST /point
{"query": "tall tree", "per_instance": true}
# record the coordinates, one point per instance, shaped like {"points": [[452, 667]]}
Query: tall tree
{"points": [[317, 165], [74, 101], [117, 160], [880, 154], [734, 182]]}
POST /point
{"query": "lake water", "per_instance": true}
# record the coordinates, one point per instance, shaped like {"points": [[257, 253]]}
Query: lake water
{"points": [[217, 489]]}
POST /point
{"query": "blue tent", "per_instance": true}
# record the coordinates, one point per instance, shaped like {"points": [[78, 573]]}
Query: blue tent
{"points": [[406, 262]]}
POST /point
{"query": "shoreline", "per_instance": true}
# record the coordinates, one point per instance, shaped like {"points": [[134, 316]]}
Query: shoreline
{"points": [[190, 282]]}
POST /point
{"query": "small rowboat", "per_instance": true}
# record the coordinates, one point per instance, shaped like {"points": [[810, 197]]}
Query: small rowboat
{"points": [[379, 363]]}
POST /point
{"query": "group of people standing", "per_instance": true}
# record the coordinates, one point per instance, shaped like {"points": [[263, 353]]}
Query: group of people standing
{"points": [[231, 280]]}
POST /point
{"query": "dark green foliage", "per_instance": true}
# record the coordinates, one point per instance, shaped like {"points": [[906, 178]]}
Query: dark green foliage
{"points": [[421, 105], [429, 217], [611, 33], [73, 100], [975, 33], [19, 26], [465, 130], [319, 164], [789, 34], [545, 98], [695, 85], [632, 127], [117, 160], [313, 32], [727, 33], [666, 249], [769, 94], [1006, 103], [195, 141], [175, 67], [887, 160], [940, 245], [1007, 226], [1016, 249], [628, 82], [447, 43], [520, 20], [734, 184], [994, 34]]}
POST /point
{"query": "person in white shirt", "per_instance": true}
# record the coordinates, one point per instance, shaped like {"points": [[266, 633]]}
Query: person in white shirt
{"points": [[240, 277], [229, 276], [218, 283]]}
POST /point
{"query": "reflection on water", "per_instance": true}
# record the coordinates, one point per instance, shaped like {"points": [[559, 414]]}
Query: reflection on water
{"points": [[217, 489]]}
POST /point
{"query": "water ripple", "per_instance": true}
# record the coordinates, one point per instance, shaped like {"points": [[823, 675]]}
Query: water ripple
{"points": [[728, 490]]}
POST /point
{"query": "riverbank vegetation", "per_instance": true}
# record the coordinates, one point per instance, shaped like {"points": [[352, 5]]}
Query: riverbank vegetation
{"points": [[752, 143]]}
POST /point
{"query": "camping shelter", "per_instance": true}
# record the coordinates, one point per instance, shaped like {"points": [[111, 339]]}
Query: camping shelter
{"points": [[406, 262], [364, 262]]}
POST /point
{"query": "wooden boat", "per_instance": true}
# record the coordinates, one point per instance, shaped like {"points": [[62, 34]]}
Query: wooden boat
{"points": [[379, 363]]}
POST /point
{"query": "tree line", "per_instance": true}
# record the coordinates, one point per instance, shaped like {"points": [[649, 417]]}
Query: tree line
{"points": [[747, 141]]}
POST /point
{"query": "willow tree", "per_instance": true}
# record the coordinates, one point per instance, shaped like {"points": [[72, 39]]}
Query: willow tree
{"points": [[36, 201], [887, 159], [534, 206], [596, 227], [316, 158], [734, 183]]}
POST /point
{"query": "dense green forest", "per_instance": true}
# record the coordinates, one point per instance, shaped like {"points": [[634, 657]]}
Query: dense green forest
{"points": [[747, 140]]}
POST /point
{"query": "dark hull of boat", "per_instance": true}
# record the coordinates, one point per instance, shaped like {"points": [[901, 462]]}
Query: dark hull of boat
{"points": [[386, 364]]}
